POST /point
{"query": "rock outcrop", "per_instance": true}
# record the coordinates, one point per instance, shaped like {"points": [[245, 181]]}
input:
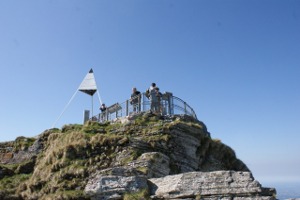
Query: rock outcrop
{"points": [[114, 187], [191, 185], [209, 185], [144, 156]]}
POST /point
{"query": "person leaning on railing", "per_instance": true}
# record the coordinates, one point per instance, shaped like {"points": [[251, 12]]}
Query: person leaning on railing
{"points": [[135, 100]]}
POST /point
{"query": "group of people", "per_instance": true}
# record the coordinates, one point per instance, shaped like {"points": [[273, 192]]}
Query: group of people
{"points": [[152, 93], [155, 96]]}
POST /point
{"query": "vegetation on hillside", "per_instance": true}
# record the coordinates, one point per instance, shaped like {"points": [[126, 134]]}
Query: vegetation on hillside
{"points": [[70, 155]]}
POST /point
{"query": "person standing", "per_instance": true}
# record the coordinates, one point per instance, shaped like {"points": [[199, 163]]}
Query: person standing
{"points": [[103, 112], [135, 100], [158, 106], [153, 98]]}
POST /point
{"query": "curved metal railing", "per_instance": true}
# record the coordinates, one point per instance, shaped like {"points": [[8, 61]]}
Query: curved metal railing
{"points": [[169, 105]]}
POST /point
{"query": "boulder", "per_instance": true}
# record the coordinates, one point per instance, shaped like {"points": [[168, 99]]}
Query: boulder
{"points": [[114, 187], [210, 185]]}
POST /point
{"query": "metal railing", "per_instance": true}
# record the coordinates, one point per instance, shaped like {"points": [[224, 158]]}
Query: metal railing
{"points": [[168, 105]]}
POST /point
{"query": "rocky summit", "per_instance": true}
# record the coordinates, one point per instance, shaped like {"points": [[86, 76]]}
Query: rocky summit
{"points": [[144, 156]]}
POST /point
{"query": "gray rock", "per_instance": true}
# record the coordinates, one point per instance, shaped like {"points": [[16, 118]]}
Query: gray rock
{"points": [[209, 185], [225, 185], [184, 148], [154, 164], [114, 187], [151, 165]]}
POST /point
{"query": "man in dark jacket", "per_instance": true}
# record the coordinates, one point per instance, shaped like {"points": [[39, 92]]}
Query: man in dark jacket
{"points": [[103, 112], [135, 100]]}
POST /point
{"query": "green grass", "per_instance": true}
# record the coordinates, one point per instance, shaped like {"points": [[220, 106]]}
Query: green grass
{"points": [[66, 195], [11, 167], [71, 127], [77, 151], [22, 143], [217, 140], [11, 183], [139, 195], [144, 170]]}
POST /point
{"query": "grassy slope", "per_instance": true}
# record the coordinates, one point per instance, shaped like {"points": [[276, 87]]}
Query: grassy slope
{"points": [[72, 154]]}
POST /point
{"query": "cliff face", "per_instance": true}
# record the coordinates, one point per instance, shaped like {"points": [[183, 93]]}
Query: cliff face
{"points": [[141, 157]]}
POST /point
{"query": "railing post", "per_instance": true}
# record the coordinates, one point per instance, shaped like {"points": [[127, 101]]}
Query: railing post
{"points": [[139, 103], [127, 113], [171, 104], [194, 114], [185, 111], [144, 102]]}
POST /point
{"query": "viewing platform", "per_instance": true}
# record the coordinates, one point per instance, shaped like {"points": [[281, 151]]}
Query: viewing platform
{"points": [[162, 104], [169, 105]]}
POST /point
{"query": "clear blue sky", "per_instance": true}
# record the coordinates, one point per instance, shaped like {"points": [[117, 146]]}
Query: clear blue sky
{"points": [[237, 63]]}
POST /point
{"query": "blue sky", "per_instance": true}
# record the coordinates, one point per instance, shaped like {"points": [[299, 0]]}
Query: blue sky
{"points": [[237, 63]]}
